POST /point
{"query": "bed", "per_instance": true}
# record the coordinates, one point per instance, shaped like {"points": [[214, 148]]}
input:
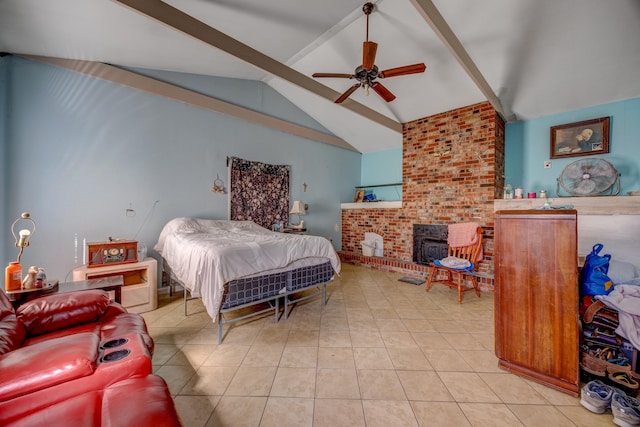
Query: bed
{"points": [[231, 265]]}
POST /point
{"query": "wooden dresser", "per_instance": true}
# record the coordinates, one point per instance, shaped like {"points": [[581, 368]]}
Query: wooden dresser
{"points": [[537, 296]]}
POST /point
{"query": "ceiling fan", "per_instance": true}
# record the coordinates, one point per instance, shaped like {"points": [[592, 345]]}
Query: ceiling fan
{"points": [[367, 73]]}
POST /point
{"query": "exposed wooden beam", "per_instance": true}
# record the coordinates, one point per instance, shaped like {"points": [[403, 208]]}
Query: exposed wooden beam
{"points": [[167, 90], [180, 21], [430, 13]]}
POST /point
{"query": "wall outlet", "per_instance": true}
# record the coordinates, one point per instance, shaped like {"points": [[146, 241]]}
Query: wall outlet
{"points": [[547, 164]]}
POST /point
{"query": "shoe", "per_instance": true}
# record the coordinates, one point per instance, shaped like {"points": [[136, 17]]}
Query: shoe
{"points": [[596, 396], [626, 410]]}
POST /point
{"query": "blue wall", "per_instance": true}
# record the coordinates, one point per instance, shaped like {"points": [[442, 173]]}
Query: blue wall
{"points": [[81, 151], [527, 147], [383, 167]]}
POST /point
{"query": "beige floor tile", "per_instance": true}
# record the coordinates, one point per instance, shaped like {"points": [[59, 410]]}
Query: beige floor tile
{"points": [[487, 340], [272, 336], [409, 359], [251, 381], [333, 338], [512, 389], [227, 355], [238, 411], [334, 322], [338, 412], [553, 396], [424, 386], [303, 337], [239, 335], [191, 355], [481, 360], [431, 340], [372, 358], [299, 357], [288, 412], [489, 415], [390, 325], [366, 337], [163, 352], [468, 387], [409, 312], [380, 385], [209, 380], [263, 355], [540, 416], [335, 357], [381, 413], [176, 376], [463, 341], [294, 382], [337, 384], [418, 325], [447, 360], [441, 414], [582, 417], [385, 313], [195, 410], [396, 339]]}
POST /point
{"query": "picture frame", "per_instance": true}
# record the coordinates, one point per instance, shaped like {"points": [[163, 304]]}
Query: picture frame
{"points": [[359, 197], [583, 138]]}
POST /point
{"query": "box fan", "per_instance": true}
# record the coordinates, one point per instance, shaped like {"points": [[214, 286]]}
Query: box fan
{"points": [[589, 177]]}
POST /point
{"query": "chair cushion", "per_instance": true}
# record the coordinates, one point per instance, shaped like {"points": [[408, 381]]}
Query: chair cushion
{"points": [[453, 264]]}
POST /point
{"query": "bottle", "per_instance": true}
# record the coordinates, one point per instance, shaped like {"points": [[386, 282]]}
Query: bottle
{"points": [[13, 276], [40, 278]]}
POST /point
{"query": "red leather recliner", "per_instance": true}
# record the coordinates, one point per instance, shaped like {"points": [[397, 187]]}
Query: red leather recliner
{"points": [[60, 346]]}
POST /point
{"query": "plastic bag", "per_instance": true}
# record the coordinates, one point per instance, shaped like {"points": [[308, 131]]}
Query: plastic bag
{"points": [[593, 276]]}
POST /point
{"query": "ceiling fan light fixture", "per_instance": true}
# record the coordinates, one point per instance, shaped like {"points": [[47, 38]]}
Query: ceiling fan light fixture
{"points": [[368, 73]]}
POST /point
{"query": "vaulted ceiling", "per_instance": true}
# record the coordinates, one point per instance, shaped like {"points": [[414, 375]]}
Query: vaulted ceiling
{"points": [[530, 58]]}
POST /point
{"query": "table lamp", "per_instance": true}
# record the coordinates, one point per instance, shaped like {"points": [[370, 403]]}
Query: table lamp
{"points": [[298, 209], [24, 235], [13, 272]]}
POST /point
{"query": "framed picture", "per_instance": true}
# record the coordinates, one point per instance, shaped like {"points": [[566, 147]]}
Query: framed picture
{"points": [[580, 138], [359, 197]]}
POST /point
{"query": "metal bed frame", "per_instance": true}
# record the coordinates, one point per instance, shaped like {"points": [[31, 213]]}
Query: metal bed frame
{"points": [[267, 288]]}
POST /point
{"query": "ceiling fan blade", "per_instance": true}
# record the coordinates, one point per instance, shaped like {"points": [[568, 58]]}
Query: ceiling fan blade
{"points": [[401, 71], [330, 75], [347, 93], [369, 54], [383, 91]]}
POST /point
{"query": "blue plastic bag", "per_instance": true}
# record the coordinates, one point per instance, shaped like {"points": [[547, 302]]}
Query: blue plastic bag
{"points": [[593, 276]]}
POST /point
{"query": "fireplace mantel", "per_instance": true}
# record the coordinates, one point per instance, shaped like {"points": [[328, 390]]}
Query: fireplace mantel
{"points": [[372, 205], [599, 205]]}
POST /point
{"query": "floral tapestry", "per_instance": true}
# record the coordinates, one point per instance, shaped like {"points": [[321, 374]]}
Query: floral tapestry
{"points": [[259, 192]]}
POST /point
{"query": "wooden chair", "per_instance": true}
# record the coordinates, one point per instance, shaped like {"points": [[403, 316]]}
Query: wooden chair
{"points": [[469, 253]]}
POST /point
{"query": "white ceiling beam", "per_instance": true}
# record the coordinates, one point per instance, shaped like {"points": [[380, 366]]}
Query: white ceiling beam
{"points": [[180, 21], [430, 13]]}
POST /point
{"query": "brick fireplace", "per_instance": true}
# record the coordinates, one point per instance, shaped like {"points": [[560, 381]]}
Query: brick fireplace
{"points": [[452, 170]]}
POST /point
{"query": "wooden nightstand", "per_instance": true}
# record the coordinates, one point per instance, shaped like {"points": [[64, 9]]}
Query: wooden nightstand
{"points": [[140, 282]]}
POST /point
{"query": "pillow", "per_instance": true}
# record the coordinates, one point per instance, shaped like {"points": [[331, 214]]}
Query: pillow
{"points": [[621, 272]]}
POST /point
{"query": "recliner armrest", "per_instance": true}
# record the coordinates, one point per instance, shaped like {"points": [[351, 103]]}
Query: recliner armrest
{"points": [[58, 311]]}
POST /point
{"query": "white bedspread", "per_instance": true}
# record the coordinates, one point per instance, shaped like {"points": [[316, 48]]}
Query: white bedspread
{"points": [[205, 254]]}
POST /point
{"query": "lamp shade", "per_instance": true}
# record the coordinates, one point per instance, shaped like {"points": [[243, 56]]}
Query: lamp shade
{"points": [[298, 208]]}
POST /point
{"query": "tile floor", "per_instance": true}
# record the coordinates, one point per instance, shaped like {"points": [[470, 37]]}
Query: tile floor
{"points": [[380, 353]]}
